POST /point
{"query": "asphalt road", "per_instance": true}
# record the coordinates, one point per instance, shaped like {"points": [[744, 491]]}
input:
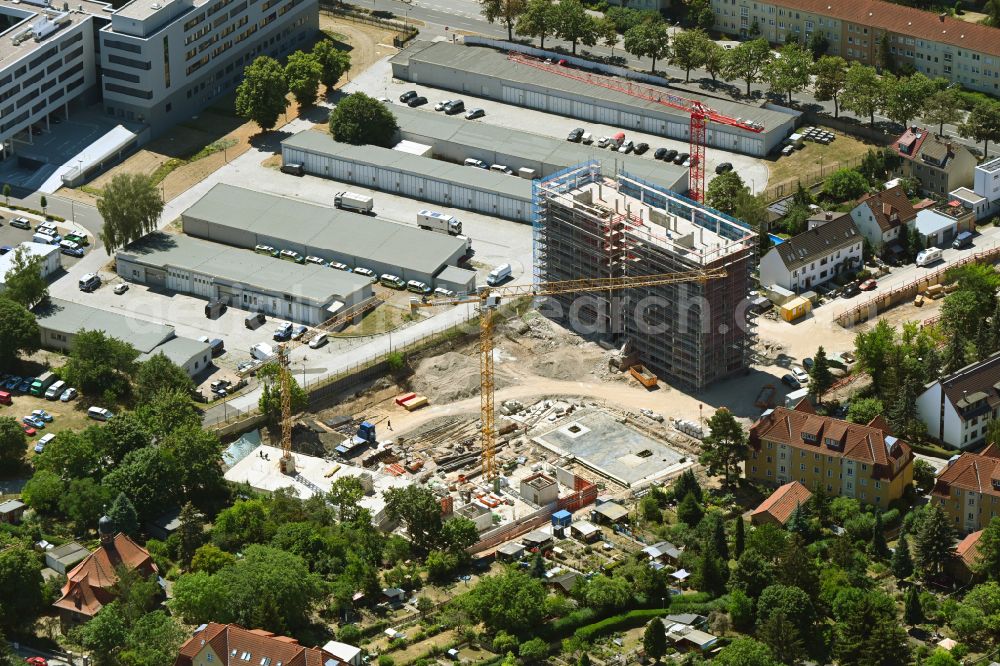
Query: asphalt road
{"points": [[441, 17]]}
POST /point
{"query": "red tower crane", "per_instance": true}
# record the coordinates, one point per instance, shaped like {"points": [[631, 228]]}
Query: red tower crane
{"points": [[699, 113]]}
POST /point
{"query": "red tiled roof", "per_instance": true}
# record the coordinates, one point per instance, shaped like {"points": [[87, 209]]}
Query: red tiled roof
{"points": [[884, 205], [905, 21], [89, 584], [236, 646], [967, 549], [782, 502], [865, 444], [972, 471]]}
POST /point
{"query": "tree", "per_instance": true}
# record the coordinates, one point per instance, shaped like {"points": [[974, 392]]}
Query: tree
{"points": [[153, 640], [159, 373], [262, 94], [130, 206], [739, 537], [941, 657], [818, 45], [745, 652], [420, 510], [689, 511], [955, 354], [13, 445], [649, 39], [191, 533], [20, 587], [863, 91], [6, 194], [607, 594], [104, 635], [503, 11], [101, 366], [511, 601], [820, 379], [830, 81], [24, 283], [712, 572], [359, 119], [982, 124], [901, 563], [752, 574], [719, 536], [270, 395], [723, 192], [725, 447], [196, 453], [689, 50], [713, 59], [534, 651], [904, 97], [245, 522], [913, 613], [303, 72], [790, 601], [148, 478], [943, 107], [538, 20], [19, 333], [867, 632], [210, 558], [988, 562], [83, 503], [654, 639], [747, 62], [789, 73], [575, 25], [924, 475], [781, 635], [879, 548], [686, 483], [933, 541], [43, 491], [333, 62], [845, 184], [123, 515]]}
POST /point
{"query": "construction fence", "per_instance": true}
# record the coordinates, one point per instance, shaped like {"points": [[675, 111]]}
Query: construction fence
{"points": [[889, 299]]}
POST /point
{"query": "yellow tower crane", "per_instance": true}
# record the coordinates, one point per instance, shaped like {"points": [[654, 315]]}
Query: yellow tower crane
{"points": [[489, 300]]}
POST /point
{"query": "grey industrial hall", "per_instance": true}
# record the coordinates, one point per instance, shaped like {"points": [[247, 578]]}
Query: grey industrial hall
{"points": [[414, 176], [307, 294], [483, 72], [245, 218], [454, 139]]}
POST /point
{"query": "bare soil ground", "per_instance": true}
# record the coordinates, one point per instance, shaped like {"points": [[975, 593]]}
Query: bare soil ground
{"points": [[219, 123]]}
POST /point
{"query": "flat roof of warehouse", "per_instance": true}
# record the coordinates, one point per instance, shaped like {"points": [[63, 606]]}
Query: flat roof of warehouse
{"points": [[490, 62], [528, 145], [316, 283], [481, 179], [71, 318], [323, 226]]}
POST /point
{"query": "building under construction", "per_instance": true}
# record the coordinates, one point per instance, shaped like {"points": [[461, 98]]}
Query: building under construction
{"points": [[588, 226]]}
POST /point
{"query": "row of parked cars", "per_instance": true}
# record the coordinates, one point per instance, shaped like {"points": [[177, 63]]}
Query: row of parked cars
{"points": [[47, 234], [449, 106]]}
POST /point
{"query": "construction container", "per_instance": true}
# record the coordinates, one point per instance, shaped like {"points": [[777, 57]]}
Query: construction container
{"points": [[415, 403], [643, 376], [795, 308], [404, 398]]}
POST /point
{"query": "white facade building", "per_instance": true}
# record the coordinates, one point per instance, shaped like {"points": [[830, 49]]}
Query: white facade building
{"points": [[813, 257], [49, 255], [958, 408]]}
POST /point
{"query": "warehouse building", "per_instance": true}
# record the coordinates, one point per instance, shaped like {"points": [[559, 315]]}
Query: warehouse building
{"points": [[244, 218], [454, 139], [411, 176], [48, 258], [487, 73], [307, 293], [59, 322]]}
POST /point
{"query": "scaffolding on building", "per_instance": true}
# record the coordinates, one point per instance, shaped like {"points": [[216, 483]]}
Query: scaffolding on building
{"points": [[588, 226]]}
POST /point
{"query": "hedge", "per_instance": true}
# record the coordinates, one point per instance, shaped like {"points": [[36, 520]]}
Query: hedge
{"points": [[628, 620]]}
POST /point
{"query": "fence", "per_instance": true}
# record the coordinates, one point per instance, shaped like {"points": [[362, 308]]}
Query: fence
{"points": [[886, 300], [807, 179], [405, 31]]}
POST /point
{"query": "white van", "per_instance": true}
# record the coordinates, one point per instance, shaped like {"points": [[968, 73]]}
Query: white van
{"points": [[43, 238], [99, 414], [54, 391], [89, 282], [929, 256], [498, 275], [318, 341]]}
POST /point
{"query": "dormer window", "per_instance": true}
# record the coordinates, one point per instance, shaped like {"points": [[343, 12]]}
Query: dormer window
{"points": [[809, 437]]}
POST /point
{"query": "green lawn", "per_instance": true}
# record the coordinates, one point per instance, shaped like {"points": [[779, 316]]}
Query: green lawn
{"points": [[807, 162], [66, 415]]}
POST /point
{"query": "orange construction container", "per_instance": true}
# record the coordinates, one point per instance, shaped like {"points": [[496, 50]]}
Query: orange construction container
{"points": [[406, 397], [643, 376]]}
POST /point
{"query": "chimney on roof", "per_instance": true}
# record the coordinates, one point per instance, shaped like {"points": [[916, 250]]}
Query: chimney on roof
{"points": [[829, 215], [886, 208]]}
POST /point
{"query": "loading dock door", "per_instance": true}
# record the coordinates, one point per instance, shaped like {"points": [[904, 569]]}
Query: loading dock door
{"points": [[513, 95]]}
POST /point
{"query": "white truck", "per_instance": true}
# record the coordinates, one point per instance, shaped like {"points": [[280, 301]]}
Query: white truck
{"points": [[356, 202], [435, 221], [262, 351]]}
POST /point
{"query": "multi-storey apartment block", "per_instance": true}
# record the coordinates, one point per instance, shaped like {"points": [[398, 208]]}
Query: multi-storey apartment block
{"points": [[968, 490], [155, 62], [841, 458], [966, 53]]}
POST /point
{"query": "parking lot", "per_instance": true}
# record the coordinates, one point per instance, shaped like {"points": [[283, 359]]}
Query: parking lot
{"points": [[377, 81], [12, 236]]}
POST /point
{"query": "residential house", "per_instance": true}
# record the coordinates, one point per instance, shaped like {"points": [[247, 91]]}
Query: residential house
{"points": [[90, 584], [813, 257], [940, 164], [822, 217], [980, 207], [968, 489], [11, 511], [844, 459], [966, 557], [986, 184], [779, 507], [958, 407], [935, 44], [215, 644], [881, 217], [343, 652], [940, 225]]}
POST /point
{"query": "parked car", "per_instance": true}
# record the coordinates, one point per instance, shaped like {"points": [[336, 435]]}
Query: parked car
{"points": [[807, 362], [626, 147], [670, 156], [392, 281], [681, 158], [440, 105], [28, 430], [12, 382], [4, 249], [298, 331], [43, 415], [318, 341], [407, 96], [121, 288], [72, 251], [292, 255], [367, 272], [641, 148], [603, 142], [266, 249], [575, 135], [418, 287], [68, 394], [21, 223], [851, 289], [283, 332], [312, 259], [723, 168], [25, 386], [40, 446], [659, 153], [473, 162], [791, 382], [420, 100], [340, 267], [34, 422], [444, 293], [475, 113], [868, 285], [454, 106], [801, 375], [82, 241]]}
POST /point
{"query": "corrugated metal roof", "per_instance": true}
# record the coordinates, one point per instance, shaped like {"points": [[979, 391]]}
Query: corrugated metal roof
{"points": [[322, 226], [322, 143], [489, 62], [315, 283]]}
